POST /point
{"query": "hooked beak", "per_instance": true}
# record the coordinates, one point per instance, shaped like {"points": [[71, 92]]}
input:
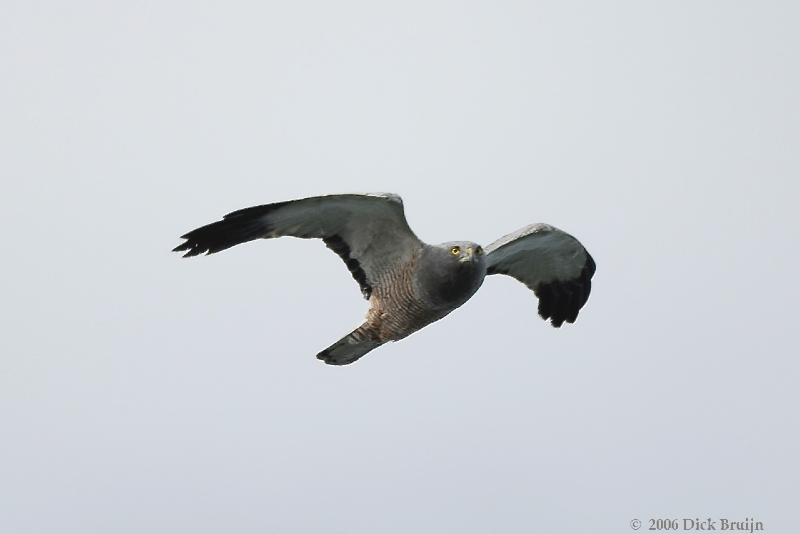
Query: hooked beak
{"points": [[468, 257]]}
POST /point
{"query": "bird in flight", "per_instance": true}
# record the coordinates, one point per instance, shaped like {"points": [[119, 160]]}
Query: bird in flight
{"points": [[409, 284]]}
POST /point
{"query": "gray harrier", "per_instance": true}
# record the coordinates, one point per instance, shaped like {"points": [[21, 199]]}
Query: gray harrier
{"points": [[409, 284]]}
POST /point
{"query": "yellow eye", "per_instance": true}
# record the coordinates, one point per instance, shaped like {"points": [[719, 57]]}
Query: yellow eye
{"points": [[455, 251]]}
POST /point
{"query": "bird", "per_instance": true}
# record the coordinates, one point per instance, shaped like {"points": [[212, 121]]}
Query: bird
{"points": [[408, 283]]}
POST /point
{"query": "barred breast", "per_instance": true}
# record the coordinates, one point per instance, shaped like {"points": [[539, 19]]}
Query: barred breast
{"points": [[396, 308]]}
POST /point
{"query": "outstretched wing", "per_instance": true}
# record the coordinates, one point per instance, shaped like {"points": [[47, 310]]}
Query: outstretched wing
{"points": [[369, 232], [550, 262]]}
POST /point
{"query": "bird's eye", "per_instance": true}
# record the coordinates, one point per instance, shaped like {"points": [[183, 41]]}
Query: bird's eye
{"points": [[478, 251], [455, 251]]}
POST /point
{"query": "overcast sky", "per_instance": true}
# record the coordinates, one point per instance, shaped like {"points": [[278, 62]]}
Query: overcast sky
{"points": [[140, 392]]}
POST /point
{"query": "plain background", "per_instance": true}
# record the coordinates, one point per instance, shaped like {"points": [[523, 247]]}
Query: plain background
{"points": [[140, 392]]}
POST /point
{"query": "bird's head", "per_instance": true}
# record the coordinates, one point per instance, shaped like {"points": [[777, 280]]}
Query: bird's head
{"points": [[451, 272], [463, 252]]}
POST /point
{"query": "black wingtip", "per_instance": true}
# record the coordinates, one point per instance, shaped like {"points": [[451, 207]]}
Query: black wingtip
{"points": [[236, 227], [560, 301], [182, 247], [192, 249], [223, 234]]}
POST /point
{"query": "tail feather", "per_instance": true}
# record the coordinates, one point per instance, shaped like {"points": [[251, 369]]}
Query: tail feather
{"points": [[351, 347]]}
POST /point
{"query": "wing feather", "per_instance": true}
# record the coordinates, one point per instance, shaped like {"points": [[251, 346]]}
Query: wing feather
{"points": [[369, 232], [549, 261]]}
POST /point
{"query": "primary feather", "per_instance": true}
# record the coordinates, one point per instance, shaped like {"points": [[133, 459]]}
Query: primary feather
{"points": [[550, 262]]}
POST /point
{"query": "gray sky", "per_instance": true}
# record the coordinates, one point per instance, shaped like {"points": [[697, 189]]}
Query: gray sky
{"points": [[144, 393]]}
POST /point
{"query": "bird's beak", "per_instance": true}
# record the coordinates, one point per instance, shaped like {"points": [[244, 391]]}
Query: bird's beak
{"points": [[470, 254]]}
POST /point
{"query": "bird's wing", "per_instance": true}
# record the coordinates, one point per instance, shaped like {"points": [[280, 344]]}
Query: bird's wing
{"points": [[550, 262], [369, 232]]}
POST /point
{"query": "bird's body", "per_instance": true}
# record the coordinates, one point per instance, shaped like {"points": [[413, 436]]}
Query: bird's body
{"points": [[408, 283]]}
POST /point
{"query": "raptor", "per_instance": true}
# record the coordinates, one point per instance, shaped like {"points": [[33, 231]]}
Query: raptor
{"points": [[409, 284]]}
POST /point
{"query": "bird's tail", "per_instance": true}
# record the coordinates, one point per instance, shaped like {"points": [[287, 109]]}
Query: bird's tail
{"points": [[351, 347]]}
